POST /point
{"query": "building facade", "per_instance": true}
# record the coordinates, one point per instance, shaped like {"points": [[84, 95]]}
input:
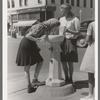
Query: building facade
{"points": [[45, 9], [24, 10]]}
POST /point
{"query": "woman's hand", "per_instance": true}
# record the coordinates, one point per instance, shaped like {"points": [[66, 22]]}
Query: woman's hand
{"points": [[41, 40], [67, 30], [72, 32]]}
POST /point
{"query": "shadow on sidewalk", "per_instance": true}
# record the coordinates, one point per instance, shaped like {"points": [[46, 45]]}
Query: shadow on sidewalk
{"points": [[81, 84]]}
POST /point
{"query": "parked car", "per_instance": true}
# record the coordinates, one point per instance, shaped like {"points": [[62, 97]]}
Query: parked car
{"points": [[83, 29], [84, 25]]}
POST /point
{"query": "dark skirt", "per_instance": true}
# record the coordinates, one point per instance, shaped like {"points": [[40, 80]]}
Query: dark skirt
{"points": [[28, 53], [69, 50]]}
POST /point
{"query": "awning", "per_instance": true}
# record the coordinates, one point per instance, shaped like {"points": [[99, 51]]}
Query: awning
{"points": [[25, 23]]}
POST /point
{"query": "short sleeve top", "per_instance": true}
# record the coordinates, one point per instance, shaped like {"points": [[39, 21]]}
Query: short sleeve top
{"points": [[37, 30], [91, 31], [69, 23]]}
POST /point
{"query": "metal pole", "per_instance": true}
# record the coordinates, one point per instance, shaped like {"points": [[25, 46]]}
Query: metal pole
{"points": [[45, 10], [80, 15], [45, 14], [18, 27]]}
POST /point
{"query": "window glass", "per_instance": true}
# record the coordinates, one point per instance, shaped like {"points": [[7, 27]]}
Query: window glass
{"points": [[78, 3], [91, 3], [39, 1], [53, 1], [62, 1], [67, 1], [13, 3], [72, 2], [20, 2], [26, 2], [84, 3], [8, 4]]}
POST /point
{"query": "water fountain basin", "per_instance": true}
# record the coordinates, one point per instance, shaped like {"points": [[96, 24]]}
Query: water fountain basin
{"points": [[55, 38]]}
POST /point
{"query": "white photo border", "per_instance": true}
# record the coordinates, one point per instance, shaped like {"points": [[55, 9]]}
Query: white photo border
{"points": [[4, 49]]}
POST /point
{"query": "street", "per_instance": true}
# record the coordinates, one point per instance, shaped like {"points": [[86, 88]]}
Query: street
{"points": [[15, 71]]}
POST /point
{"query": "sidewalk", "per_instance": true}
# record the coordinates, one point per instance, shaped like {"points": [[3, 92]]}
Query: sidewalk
{"points": [[19, 36], [17, 88]]}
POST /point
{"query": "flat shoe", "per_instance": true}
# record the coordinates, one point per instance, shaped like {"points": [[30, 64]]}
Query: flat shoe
{"points": [[35, 82], [31, 89]]}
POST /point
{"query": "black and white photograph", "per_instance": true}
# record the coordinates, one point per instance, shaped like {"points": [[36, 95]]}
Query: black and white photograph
{"points": [[50, 50]]}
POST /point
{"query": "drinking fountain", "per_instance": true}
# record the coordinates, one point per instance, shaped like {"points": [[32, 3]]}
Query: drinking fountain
{"points": [[55, 72], [55, 85]]}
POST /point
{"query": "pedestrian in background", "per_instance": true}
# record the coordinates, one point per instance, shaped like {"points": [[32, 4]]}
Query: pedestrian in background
{"points": [[88, 63], [28, 52], [69, 27], [13, 32]]}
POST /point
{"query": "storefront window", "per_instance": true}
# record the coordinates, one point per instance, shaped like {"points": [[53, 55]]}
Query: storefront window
{"points": [[14, 17], [22, 17], [33, 16]]}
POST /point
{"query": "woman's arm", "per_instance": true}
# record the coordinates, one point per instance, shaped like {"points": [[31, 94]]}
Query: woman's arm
{"points": [[28, 36], [88, 38], [89, 34], [73, 32]]}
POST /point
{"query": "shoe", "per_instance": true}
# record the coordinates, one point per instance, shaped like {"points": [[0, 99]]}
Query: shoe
{"points": [[68, 81], [35, 82], [71, 81], [31, 89]]}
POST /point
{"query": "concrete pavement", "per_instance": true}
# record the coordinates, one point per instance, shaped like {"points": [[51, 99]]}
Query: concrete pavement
{"points": [[17, 85], [17, 88]]}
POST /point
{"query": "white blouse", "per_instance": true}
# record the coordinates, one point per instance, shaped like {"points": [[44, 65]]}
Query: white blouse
{"points": [[71, 24]]}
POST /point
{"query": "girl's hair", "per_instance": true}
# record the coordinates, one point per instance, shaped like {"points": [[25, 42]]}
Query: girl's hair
{"points": [[51, 23], [68, 6]]}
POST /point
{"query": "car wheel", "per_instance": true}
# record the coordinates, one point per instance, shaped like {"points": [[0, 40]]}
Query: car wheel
{"points": [[81, 42]]}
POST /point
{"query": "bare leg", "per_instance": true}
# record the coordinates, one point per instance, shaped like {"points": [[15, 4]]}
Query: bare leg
{"points": [[70, 64], [65, 68], [30, 89], [27, 73], [91, 87], [37, 70], [91, 83]]}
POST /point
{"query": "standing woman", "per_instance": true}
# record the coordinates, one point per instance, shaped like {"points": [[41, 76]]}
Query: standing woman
{"points": [[69, 27], [88, 63], [28, 52]]}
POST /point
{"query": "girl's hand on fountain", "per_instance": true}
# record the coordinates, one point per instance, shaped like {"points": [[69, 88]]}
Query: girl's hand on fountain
{"points": [[42, 40]]}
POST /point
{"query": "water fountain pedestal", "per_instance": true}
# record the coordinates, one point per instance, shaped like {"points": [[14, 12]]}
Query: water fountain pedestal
{"points": [[55, 72]]}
